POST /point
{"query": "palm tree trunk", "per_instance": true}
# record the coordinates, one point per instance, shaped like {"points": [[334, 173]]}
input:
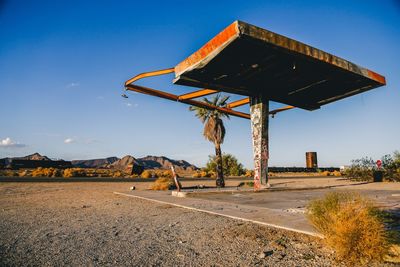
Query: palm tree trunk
{"points": [[220, 175]]}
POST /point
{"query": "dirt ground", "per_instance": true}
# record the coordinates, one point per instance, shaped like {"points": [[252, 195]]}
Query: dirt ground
{"points": [[84, 223]]}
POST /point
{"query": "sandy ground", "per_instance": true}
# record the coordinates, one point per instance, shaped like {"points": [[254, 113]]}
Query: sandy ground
{"points": [[53, 224]]}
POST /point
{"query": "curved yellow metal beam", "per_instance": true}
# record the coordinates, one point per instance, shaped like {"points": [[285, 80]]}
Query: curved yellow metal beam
{"points": [[149, 74], [196, 94]]}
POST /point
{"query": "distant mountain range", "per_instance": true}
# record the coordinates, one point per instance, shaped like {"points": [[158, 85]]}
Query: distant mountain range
{"points": [[35, 156], [125, 163], [148, 162]]}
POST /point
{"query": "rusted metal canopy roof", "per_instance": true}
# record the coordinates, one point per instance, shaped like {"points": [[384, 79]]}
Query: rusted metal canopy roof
{"points": [[248, 60]]}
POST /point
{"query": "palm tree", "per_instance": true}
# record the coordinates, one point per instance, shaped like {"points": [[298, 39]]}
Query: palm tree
{"points": [[214, 130]]}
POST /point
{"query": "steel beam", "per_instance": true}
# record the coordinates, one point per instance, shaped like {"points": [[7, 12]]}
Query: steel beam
{"points": [[273, 112], [149, 74], [238, 103], [169, 96], [198, 93], [259, 111]]}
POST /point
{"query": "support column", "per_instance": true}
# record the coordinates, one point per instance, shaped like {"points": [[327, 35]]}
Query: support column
{"points": [[259, 108]]}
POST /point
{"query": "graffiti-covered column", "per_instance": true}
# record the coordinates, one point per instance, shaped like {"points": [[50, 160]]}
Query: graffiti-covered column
{"points": [[259, 108]]}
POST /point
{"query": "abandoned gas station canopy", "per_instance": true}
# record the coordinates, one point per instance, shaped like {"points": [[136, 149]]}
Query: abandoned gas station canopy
{"points": [[263, 66], [248, 60]]}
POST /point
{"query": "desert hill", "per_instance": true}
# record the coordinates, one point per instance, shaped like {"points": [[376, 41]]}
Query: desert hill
{"points": [[94, 163], [126, 163]]}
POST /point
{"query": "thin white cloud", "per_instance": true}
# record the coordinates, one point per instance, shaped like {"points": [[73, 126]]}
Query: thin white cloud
{"points": [[100, 97], [73, 84], [9, 143], [130, 105], [69, 141]]}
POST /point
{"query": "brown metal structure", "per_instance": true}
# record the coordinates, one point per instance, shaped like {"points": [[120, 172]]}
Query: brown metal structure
{"points": [[185, 98], [263, 66], [311, 160]]}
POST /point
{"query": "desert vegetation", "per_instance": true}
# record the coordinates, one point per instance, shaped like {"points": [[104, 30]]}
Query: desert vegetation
{"points": [[69, 172], [363, 169], [164, 183], [353, 227], [230, 165], [83, 172]]}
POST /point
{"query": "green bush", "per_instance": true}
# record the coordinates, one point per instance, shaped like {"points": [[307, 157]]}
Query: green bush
{"points": [[230, 165], [362, 169], [391, 166]]}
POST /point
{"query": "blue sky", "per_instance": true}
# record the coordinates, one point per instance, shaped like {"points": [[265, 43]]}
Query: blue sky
{"points": [[63, 64]]}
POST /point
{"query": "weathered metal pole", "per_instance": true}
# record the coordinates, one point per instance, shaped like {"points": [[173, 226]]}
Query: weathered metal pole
{"points": [[259, 108]]}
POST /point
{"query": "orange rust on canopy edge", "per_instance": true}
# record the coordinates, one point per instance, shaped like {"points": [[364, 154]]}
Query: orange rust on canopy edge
{"points": [[209, 47], [377, 77]]}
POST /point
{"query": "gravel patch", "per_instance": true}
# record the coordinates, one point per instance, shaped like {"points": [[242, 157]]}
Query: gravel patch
{"points": [[53, 224]]}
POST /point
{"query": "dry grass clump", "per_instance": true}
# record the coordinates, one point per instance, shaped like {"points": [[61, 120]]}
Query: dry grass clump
{"points": [[118, 174], [351, 226], [146, 174], [249, 173], [74, 172], [163, 173], [163, 184], [46, 172], [328, 173], [8, 173], [204, 173], [196, 174]]}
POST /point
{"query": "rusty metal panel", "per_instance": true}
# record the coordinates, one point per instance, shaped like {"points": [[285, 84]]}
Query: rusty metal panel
{"points": [[248, 60], [311, 160]]}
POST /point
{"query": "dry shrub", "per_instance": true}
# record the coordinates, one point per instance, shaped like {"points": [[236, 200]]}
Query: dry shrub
{"points": [[211, 174], [74, 172], [351, 226], [23, 173], [163, 173], [46, 172], [196, 174], [162, 184], [118, 174], [146, 174], [203, 173], [167, 173], [8, 173], [394, 254], [249, 173]]}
